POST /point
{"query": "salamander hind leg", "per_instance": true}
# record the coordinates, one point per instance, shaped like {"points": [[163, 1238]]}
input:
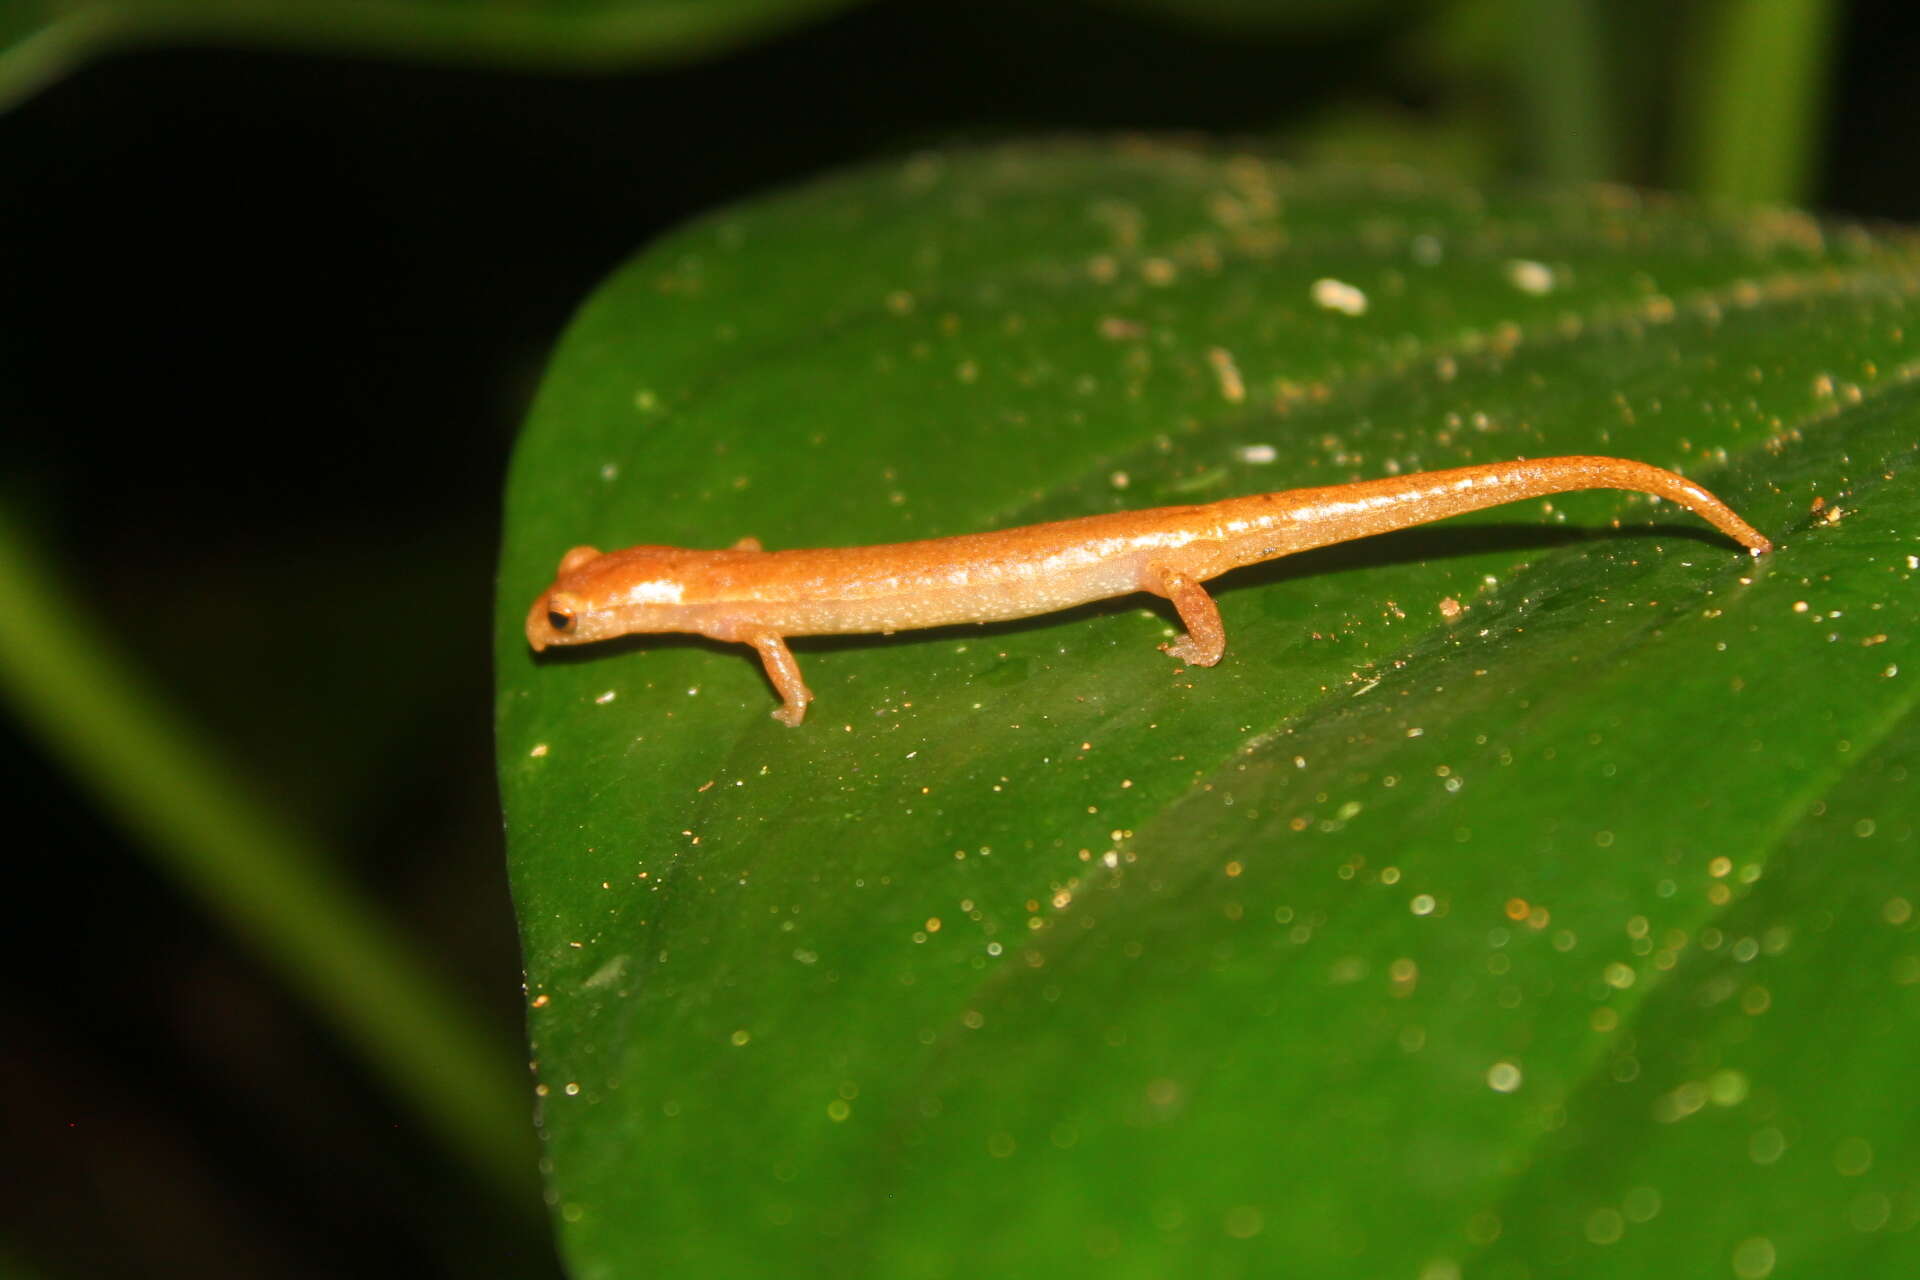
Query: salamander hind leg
{"points": [[785, 674], [1205, 639]]}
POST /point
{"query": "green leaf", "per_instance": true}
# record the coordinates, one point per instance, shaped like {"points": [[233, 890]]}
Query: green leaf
{"points": [[1570, 936], [41, 39]]}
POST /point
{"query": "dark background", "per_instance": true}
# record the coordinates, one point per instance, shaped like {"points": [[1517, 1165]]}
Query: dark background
{"points": [[267, 326]]}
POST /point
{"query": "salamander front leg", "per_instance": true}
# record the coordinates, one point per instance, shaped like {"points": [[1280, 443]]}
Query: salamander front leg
{"points": [[1206, 639], [785, 674]]}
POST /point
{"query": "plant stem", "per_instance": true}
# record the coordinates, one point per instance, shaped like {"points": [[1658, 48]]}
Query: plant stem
{"points": [[1752, 120], [1561, 65], [66, 681]]}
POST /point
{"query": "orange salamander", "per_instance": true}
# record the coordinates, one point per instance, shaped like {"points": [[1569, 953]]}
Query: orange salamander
{"points": [[750, 596]]}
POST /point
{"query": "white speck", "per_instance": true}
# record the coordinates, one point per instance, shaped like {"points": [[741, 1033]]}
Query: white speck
{"points": [[655, 591], [1244, 1222], [1606, 1225], [1853, 1157], [608, 974], [539, 750], [1232, 389], [1870, 1211], [1337, 295], [1766, 1145], [1753, 1258], [1503, 1077], [1258, 454], [1119, 479], [606, 697], [1422, 904], [1531, 277], [609, 471]]}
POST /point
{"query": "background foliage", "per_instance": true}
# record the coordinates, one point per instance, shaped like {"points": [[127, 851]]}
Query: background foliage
{"points": [[273, 316]]}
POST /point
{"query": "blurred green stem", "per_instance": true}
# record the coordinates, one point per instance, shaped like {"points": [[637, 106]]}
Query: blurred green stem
{"points": [[1753, 102], [67, 682], [1560, 57], [13, 1268]]}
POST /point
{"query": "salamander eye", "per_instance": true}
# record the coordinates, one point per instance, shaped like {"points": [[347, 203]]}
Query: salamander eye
{"points": [[563, 609]]}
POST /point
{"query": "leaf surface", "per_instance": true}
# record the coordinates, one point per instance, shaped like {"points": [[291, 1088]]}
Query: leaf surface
{"points": [[1528, 894]]}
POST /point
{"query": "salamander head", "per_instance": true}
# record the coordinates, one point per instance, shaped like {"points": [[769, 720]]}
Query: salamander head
{"points": [[598, 596]]}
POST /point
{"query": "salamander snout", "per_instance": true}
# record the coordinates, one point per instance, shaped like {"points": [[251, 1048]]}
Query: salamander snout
{"points": [[552, 620]]}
